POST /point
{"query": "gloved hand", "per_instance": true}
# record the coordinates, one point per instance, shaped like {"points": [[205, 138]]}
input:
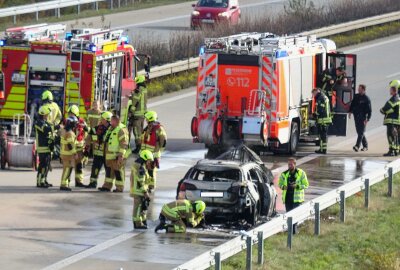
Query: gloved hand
{"points": [[202, 224], [156, 163]]}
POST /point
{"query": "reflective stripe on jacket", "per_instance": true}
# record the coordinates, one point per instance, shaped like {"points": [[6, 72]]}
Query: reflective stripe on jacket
{"points": [[139, 101], [68, 138], [117, 142], [391, 110], [323, 110], [139, 175], [93, 117], [301, 185], [44, 136], [181, 209], [154, 139]]}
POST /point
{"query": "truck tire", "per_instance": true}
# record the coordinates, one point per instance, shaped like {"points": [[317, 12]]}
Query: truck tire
{"points": [[290, 148]]}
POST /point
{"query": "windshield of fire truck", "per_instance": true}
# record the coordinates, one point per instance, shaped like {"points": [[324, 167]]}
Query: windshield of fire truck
{"points": [[213, 3]]}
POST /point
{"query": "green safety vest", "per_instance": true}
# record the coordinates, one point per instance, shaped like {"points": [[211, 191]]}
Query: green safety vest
{"points": [[139, 102], [301, 185]]}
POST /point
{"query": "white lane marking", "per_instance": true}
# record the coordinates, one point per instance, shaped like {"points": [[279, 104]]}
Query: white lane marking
{"points": [[373, 45], [91, 251], [393, 75], [188, 16], [172, 99]]}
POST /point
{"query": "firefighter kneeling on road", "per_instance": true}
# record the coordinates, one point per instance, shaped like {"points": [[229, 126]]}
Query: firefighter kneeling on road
{"points": [[116, 145], [68, 151], [323, 115], [181, 213], [154, 138], [96, 142], [44, 146], [139, 189], [391, 110]]}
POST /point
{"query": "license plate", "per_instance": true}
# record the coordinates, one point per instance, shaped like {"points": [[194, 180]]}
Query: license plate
{"points": [[212, 194], [207, 21]]}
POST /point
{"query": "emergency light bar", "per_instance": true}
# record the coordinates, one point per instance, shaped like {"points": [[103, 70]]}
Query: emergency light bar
{"points": [[2, 42]]}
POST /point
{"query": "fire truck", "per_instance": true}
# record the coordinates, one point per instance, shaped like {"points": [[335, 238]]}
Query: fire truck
{"points": [[255, 88], [85, 65]]}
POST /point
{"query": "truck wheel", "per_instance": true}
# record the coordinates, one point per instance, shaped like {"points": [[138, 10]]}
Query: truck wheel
{"points": [[294, 138]]}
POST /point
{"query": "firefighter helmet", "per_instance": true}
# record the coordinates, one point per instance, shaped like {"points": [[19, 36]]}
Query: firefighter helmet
{"points": [[106, 116], [146, 155], [44, 110], [71, 122], [395, 83], [47, 95], [140, 79], [199, 207], [74, 110], [150, 116]]}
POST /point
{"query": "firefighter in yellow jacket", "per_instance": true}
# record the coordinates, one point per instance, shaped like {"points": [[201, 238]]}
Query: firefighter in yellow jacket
{"points": [[68, 151], [116, 145], [139, 189], [154, 138], [137, 107], [93, 116], [181, 213]]}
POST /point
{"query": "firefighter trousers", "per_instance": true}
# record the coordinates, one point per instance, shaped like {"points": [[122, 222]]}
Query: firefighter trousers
{"points": [[43, 168], [68, 164], [79, 168], [177, 224], [392, 133], [115, 172], [139, 215], [98, 162], [136, 127], [151, 181], [323, 137]]}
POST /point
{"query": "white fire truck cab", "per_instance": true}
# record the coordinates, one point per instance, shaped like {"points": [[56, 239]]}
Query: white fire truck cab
{"points": [[256, 88]]}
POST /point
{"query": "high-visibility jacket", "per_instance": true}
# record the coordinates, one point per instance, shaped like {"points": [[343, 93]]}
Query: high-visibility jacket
{"points": [[323, 110], [81, 134], [93, 117], [154, 138], [326, 87], [301, 185], [181, 209], [96, 138], [55, 115], [116, 142], [139, 176], [138, 106], [68, 143], [44, 136], [391, 110]]}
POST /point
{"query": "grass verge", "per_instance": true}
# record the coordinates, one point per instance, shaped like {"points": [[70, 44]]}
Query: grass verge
{"points": [[367, 240], [172, 83]]}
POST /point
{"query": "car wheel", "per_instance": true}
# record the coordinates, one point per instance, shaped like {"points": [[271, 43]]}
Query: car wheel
{"points": [[253, 214]]}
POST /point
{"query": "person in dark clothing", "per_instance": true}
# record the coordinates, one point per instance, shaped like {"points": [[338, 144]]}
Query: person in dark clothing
{"points": [[361, 109], [322, 113], [391, 110]]}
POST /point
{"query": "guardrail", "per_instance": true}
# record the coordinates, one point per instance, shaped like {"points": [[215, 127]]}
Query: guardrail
{"points": [[56, 5], [169, 69], [308, 210]]}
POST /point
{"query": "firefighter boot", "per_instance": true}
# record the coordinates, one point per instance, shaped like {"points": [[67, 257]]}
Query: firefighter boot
{"points": [[389, 154], [39, 182], [139, 226], [65, 188], [92, 184]]}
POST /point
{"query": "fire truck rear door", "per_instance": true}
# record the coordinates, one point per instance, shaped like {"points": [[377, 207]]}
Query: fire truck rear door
{"points": [[343, 91]]}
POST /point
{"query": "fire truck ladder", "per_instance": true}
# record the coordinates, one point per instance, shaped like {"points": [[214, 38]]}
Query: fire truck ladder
{"points": [[74, 95]]}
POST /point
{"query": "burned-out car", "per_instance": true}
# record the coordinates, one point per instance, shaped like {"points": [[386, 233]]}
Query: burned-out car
{"points": [[235, 186]]}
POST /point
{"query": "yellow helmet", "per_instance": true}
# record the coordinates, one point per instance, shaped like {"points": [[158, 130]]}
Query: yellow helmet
{"points": [[199, 207], [47, 95], [106, 116], [74, 109], [140, 79], [44, 110], [395, 83], [150, 116], [146, 155]]}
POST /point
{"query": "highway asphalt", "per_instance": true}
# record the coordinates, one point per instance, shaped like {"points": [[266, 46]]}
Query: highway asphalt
{"points": [[49, 229]]}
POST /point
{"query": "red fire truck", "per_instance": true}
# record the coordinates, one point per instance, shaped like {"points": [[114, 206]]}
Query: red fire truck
{"points": [[86, 65], [255, 88]]}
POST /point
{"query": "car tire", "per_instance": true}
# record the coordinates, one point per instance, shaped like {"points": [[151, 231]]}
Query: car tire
{"points": [[253, 214]]}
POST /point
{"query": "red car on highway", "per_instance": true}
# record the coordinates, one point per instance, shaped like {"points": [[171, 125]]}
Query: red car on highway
{"points": [[211, 12]]}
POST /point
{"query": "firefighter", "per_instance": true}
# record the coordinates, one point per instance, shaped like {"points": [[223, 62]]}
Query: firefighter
{"points": [[136, 109], [181, 213], [139, 189], [80, 132], [55, 116], [322, 113], [154, 138], [96, 141], [361, 109], [293, 182], [116, 145], [396, 84], [68, 151], [327, 82], [44, 145], [392, 122], [94, 115]]}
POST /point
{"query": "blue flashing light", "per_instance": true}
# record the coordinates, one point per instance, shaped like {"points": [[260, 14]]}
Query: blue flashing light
{"points": [[92, 48], [125, 39], [202, 50], [281, 53], [68, 36], [2, 42]]}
